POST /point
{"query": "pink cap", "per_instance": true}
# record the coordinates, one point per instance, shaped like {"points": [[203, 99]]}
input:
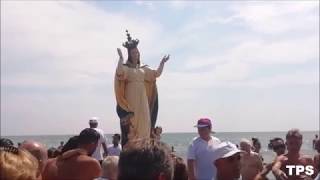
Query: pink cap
{"points": [[203, 122]]}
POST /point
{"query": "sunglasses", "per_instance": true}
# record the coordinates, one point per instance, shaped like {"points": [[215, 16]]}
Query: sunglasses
{"points": [[234, 158], [280, 146]]}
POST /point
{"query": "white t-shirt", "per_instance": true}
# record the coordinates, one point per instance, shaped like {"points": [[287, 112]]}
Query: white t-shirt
{"points": [[202, 151], [114, 151], [97, 153]]}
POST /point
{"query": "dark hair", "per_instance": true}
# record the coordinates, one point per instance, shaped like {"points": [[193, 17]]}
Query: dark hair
{"points": [[278, 139], [53, 152], [88, 136], [5, 142], [294, 133], [256, 141], [145, 160], [72, 143], [271, 141], [180, 169]]}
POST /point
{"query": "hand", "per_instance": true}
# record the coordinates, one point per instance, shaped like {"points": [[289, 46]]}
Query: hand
{"points": [[282, 175], [120, 53], [165, 59]]}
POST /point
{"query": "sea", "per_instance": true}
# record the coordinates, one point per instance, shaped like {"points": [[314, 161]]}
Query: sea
{"points": [[180, 141]]}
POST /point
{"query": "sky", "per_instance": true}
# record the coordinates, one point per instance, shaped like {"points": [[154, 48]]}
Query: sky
{"points": [[248, 66]]}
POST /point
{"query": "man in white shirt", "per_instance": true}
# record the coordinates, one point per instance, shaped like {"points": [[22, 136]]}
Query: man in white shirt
{"points": [[101, 142], [114, 149], [200, 166]]}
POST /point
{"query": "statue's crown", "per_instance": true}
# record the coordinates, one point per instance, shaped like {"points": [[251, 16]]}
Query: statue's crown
{"points": [[131, 43]]}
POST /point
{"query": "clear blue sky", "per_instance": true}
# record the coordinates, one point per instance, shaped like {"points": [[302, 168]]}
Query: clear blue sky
{"points": [[249, 66]]}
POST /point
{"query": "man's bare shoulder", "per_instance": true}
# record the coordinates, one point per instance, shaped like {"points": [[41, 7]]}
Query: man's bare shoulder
{"points": [[51, 160], [51, 163], [50, 170], [307, 157], [91, 165], [87, 159]]}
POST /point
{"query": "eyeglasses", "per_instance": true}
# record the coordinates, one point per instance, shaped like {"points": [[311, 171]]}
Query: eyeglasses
{"points": [[233, 158], [279, 146]]}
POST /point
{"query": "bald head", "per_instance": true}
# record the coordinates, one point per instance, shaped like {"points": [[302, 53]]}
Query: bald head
{"points": [[38, 150], [245, 145]]}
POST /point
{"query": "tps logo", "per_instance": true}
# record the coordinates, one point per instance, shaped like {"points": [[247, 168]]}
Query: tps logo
{"points": [[308, 170]]}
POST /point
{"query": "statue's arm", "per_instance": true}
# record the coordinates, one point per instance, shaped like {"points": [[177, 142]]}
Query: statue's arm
{"points": [[120, 62], [161, 65]]}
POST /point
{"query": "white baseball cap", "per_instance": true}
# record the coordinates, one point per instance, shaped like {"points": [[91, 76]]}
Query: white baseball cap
{"points": [[93, 120], [224, 150]]}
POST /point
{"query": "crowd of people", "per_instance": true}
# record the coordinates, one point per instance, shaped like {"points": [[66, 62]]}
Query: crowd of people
{"points": [[87, 156]]}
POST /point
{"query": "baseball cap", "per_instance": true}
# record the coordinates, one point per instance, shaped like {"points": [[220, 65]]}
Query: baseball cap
{"points": [[203, 122], [93, 120], [224, 150], [116, 135]]}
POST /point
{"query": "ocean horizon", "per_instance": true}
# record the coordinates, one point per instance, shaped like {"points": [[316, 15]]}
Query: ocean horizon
{"points": [[180, 140], [179, 132]]}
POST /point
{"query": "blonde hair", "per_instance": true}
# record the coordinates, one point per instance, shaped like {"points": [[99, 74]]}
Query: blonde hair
{"points": [[17, 164], [109, 165], [245, 141]]}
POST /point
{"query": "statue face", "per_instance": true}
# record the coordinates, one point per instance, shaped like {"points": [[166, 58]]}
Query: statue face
{"points": [[135, 55]]}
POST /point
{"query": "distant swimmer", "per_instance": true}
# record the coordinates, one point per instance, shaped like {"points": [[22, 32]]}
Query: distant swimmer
{"points": [[314, 141]]}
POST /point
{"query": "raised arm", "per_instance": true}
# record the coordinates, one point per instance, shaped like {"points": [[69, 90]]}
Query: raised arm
{"points": [[276, 169], [161, 65], [120, 62]]}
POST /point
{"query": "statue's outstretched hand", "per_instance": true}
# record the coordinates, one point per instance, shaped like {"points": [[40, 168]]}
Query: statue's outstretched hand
{"points": [[120, 53], [165, 59]]}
